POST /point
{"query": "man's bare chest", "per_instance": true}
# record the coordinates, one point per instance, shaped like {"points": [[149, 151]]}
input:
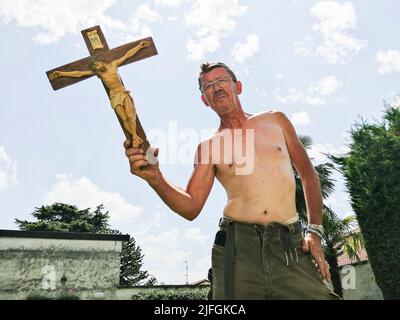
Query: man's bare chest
{"points": [[246, 150]]}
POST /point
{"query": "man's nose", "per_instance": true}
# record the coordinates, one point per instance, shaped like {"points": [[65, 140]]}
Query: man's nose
{"points": [[217, 88]]}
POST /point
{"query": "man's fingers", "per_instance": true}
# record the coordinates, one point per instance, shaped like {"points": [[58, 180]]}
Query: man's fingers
{"points": [[323, 268], [133, 152], [328, 274], [326, 271], [139, 157], [305, 247], [127, 144], [318, 256], [136, 167]]}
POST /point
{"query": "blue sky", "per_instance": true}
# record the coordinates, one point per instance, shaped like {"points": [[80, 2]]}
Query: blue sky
{"points": [[323, 63]]}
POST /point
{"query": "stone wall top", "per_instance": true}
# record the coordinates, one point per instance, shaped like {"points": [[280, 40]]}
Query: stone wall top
{"points": [[61, 235]]}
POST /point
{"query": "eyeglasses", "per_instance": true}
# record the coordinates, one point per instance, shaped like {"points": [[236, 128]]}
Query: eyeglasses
{"points": [[208, 87]]}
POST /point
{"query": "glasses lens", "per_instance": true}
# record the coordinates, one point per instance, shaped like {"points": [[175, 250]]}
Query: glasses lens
{"points": [[221, 82]]}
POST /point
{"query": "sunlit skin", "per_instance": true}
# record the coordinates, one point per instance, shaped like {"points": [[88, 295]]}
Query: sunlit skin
{"points": [[267, 194], [108, 73]]}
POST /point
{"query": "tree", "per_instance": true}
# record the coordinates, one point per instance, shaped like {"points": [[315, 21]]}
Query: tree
{"points": [[60, 217], [131, 263], [372, 173]]}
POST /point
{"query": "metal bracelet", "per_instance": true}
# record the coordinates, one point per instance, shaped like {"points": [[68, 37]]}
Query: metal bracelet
{"points": [[316, 232]]}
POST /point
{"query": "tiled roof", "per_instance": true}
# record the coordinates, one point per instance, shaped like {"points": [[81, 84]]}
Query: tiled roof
{"points": [[203, 282], [344, 260]]}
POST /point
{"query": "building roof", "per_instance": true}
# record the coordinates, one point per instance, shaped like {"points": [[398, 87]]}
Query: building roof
{"points": [[344, 260], [203, 282], [62, 235]]}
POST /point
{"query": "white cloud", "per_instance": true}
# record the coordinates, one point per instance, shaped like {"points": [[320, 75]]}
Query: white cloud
{"points": [[300, 118], [84, 194], [8, 170], [279, 76], [314, 101], [166, 261], [326, 86], [169, 3], [211, 20], [389, 60], [142, 17], [301, 49], [198, 47], [243, 51], [260, 92], [318, 151], [163, 261], [58, 18], [396, 101], [316, 93], [294, 95], [331, 201], [195, 234], [335, 21]]}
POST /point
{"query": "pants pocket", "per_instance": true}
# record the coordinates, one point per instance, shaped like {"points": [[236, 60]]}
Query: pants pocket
{"points": [[220, 238]]}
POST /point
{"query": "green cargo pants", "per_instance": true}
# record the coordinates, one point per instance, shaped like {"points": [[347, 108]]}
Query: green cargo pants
{"points": [[263, 262]]}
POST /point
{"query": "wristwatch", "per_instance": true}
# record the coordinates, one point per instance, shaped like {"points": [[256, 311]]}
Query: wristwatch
{"points": [[317, 229]]}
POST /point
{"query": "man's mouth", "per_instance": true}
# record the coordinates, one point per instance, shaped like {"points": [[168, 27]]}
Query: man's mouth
{"points": [[219, 96]]}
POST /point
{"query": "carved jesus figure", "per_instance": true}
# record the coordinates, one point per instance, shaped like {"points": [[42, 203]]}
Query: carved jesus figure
{"points": [[120, 98]]}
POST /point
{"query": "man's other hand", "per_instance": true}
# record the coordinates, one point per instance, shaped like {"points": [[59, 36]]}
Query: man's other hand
{"points": [[312, 243]]}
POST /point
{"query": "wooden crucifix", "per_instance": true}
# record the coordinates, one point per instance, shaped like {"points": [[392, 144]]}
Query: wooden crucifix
{"points": [[104, 63]]}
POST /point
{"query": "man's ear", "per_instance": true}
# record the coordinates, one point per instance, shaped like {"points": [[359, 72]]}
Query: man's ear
{"points": [[205, 100], [239, 87]]}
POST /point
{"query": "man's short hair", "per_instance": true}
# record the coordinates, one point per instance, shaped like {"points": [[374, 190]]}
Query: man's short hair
{"points": [[208, 66]]}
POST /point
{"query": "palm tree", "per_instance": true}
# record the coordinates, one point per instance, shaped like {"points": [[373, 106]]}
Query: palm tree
{"points": [[351, 246], [341, 237]]}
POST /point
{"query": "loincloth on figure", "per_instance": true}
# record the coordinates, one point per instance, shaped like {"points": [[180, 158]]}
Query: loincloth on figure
{"points": [[119, 98]]}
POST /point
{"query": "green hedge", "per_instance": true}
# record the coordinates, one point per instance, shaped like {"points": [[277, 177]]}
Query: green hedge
{"points": [[372, 172], [44, 296], [173, 294]]}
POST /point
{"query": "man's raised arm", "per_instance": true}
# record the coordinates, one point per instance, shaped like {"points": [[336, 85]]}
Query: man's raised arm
{"points": [[187, 203]]}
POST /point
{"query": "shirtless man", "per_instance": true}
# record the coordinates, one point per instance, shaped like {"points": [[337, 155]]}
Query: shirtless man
{"points": [[259, 252], [120, 99]]}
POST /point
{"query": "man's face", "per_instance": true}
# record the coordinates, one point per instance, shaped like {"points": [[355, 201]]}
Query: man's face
{"points": [[219, 90]]}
